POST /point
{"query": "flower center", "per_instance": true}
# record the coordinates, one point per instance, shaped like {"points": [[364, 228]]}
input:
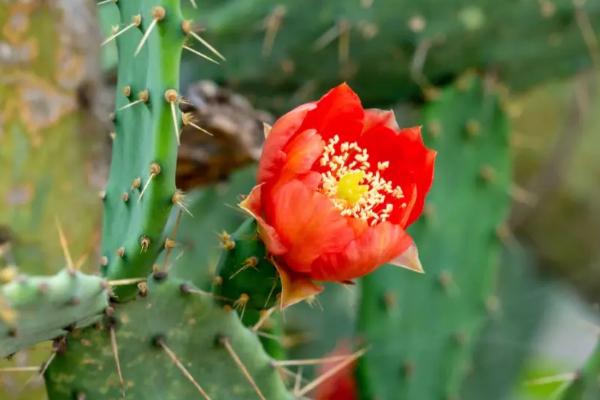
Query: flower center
{"points": [[354, 187], [350, 189]]}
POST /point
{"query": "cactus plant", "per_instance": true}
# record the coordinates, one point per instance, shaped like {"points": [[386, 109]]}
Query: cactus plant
{"points": [[422, 330], [138, 201], [35, 308], [171, 330], [172, 319]]}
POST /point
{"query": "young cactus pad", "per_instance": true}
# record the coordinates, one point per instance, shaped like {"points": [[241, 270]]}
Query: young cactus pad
{"points": [[214, 211], [141, 187], [422, 328], [244, 274], [34, 308], [174, 319]]}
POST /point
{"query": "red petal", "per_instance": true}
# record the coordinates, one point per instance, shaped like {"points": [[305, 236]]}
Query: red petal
{"points": [[378, 244], [302, 152], [338, 112], [279, 135], [308, 224], [252, 205], [410, 197], [294, 287]]}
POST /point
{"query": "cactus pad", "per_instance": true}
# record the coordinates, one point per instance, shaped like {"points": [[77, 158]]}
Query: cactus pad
{"points": [[192, 327], [214, 210], [141, 187], [244, 273], [36, 308]]}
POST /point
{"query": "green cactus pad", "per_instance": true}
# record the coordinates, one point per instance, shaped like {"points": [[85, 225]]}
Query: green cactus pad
{"points": [[523, 303], [214, 209], [145, 141], [36, 308], [421, 329], [244, 271], [191, 325]]}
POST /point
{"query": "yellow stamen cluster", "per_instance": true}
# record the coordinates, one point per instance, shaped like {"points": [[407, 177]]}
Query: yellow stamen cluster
{"points": [[353, 188]]}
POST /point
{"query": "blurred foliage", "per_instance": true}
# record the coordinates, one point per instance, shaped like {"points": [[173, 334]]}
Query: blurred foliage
{"points": [[508, 337], [47, 123], [287, 52], [556, 145]]}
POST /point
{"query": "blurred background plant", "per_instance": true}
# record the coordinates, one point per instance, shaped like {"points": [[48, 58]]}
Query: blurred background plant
{"points": [[540, 64]]}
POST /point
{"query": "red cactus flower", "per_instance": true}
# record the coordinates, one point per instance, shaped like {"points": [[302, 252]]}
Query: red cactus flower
{"points": [[342, 384], [337, 187]]}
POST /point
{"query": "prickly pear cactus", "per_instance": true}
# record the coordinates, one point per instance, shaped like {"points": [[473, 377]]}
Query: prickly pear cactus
{"points": [[141, 187], [389, 49], [421, 329], [173, 323], [197, 347], [35, 308], [200, 326]]}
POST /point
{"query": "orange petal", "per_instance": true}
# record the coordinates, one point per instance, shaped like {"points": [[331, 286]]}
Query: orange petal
{"points": [[378, 245], [309, 224], [302, 152], [252, 205], [294, 287], [409, 259], [279, 135]]}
